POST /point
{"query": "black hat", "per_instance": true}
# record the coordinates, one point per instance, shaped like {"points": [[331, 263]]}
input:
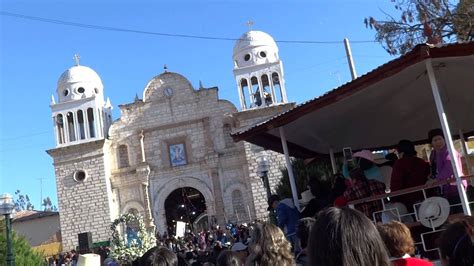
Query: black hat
{"points": [[406, 146], [435, 132]]}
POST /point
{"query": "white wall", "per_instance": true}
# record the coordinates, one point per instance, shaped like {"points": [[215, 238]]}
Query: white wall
{"points": [[37, 231]]}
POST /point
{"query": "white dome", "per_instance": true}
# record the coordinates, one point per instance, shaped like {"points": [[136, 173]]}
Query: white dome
{"points": [[79, 82], [252, 39], [255, 48]]}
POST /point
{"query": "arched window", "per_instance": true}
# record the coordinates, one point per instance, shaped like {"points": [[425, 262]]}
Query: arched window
{"points": [[80, 121], [123, 156], [256, 92], [71, 127], [90, 118], [244, 88], [60, 128], [267, 92], [277, 87], [238, 204]]}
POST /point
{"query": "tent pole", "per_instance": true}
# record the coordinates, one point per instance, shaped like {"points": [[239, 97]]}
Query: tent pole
{"points": [[333, 160], [290, 169], [466, 153], [447, 134]]}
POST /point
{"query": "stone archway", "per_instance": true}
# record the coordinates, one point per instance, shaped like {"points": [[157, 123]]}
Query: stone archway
{"points": [[184, 204], [133, 205], [162, 190]]}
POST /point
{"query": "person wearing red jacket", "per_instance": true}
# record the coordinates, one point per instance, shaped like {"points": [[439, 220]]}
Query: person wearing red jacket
{"points": [[409, 171], [400, 245]]}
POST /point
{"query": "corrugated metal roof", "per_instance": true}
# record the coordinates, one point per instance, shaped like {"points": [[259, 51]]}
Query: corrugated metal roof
{"points": [[27, 215]]}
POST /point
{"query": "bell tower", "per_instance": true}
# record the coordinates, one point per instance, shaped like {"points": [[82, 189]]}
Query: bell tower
{"points": [[81, 162], [81, 114], [258, 71]]}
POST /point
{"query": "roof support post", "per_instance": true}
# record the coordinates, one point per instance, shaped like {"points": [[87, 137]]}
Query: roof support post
{"points": [[466, 154], [447, 134], [290, 169], [333, 160]]}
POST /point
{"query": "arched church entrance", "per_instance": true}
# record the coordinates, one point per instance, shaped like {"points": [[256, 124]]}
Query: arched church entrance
{"points": [[186, 205]]}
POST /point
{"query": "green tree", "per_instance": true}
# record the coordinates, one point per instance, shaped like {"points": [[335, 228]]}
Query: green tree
{"points": [[319, 169], [22, 202], [24, 254], [48, 205], [423, 21]]}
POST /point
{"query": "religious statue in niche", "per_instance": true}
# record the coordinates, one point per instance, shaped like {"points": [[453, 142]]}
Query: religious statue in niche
{"points": [[177, 154]]}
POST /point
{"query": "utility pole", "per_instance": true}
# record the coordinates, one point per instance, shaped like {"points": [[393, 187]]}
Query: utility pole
{"points": [[349, 58], [41, 190]]}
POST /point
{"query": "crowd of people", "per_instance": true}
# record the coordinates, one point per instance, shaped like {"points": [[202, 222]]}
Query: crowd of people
{"points": [[335, 236], [326, 231]]}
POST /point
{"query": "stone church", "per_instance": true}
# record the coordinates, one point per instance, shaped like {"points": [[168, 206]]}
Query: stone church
{"points": [[170, 156]]}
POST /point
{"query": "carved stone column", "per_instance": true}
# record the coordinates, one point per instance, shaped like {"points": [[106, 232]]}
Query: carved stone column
{"points": [[143, 173]]}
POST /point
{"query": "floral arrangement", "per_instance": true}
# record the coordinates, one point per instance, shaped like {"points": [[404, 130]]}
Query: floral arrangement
{"points": [[126, 251]]}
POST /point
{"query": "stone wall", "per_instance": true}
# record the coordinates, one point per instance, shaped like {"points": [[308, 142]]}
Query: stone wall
{"points": [[252, 152], [84, 206], [136, 160], [216, 166]]}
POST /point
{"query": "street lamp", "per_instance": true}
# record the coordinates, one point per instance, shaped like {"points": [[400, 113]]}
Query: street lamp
{"points": [[6, 208], [262, 171]]}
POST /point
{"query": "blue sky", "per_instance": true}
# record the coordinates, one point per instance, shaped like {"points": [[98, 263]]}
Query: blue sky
{"points": [[34, 54]]}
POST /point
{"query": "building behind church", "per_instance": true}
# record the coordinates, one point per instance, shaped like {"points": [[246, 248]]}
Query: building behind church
{"points": [[170, 156]]}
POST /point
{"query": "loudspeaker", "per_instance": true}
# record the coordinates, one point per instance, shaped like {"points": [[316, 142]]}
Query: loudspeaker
{"points": [[85, 241]]}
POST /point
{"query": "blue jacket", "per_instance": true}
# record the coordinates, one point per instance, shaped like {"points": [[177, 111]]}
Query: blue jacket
{"points": [[287, 216]]}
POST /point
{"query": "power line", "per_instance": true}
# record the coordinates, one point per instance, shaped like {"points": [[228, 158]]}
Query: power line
{"points": [[99, 27], [24, 136]]}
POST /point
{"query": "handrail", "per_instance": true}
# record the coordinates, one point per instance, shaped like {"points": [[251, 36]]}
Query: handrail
{"points": [[409, 190]]}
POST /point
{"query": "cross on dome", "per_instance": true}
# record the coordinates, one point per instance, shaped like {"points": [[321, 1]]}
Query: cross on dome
{"points": [[249, 24], [258, 70], [77, 59]]}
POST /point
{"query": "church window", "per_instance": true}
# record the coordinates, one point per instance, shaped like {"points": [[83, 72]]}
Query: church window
{"points": [[263, 54], [238, 204], [247, 57], [66, 92], [229, 142], [90, 118], [267, 92], [80, 90], [123, 156], [80, 176], [80, 121], [244, 87], [60, 128], [71, 127], [256, 92], [277, 87], [177, 154]]}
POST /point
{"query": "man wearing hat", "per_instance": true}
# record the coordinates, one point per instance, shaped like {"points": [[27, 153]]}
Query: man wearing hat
{"points": [[409, 171], [287, 217]]}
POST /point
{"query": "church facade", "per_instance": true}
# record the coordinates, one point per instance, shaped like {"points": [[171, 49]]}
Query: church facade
{"points": [[170, 156]]}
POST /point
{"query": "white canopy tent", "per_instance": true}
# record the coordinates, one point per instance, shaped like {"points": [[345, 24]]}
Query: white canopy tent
{"points": [[398, 100]]}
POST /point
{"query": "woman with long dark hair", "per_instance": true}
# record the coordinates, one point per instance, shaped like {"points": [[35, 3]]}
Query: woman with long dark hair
{"points": [[457, 244], [345, 237]]}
